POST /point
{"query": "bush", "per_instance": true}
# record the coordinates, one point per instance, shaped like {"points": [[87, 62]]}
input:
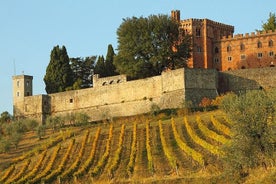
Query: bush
{"points": [[253, 141]]}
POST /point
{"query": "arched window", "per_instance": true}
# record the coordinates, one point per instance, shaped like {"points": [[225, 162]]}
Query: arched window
{"points": [[242, 47], [228, 48], [197, 31], [270, 43], [259, 44], [216, 50]]}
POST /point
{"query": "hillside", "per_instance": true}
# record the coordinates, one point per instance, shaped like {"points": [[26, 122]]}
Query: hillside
{"points": [[133, 150]]}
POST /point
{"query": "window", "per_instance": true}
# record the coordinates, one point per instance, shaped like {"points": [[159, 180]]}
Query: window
{"points": [[259, 44], [216, 50], [242, 47], [71, 100], [216, 60], [243, 57], [18, 94], [28, 93], [271, 54], [199, 49], [228, 48], [197, 31], [18, 83], [260, 55], [270, 43], [27, 83], [229, 58]]}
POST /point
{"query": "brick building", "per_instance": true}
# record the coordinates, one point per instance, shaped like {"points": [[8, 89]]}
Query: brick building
{"points": [[214, 46]]}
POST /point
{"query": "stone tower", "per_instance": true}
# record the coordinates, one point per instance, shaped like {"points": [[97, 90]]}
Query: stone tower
{"points": [[22, 87]]}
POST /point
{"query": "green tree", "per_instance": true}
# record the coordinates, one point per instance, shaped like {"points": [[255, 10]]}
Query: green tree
{"points": [[148, 45], [100, 67], [109, 66], [41, 131], [253, 140], [59, 74], [5, 117], [82, 69], [271, 23]]}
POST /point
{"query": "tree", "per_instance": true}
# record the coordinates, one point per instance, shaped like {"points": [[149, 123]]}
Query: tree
{"points": [[254, 126], [148, 45], [100, 67], [5, 117], [109, 66], [59, 74], [82, 69], [271, 23]]}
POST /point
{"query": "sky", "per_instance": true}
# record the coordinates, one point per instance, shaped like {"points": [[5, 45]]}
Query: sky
{"points": [[31, 28]]}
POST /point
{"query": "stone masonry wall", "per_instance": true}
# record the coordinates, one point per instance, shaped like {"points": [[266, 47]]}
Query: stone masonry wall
{"points": [[247, 79]]}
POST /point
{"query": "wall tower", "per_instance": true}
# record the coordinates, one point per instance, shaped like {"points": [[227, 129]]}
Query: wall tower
{"points": [[22, 87]]}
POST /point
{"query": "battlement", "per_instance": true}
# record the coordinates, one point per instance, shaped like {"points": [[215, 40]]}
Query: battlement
{"points": [[208, 22], [248, 35]]}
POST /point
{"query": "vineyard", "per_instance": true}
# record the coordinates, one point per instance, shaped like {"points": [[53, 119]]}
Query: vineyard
{"points": [[126, 151]]}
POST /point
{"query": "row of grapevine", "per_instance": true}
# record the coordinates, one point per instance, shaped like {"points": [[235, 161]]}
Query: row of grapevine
{"points": [[76, 163], [211, 148], [167, 151], [53, 175], [96, 170], [7, 173], [44, 146], [48, 167], [84, 168], [148, 148], [118, 152], [20, 173], [34, 170], [184, 147], [209, 133], [130, 165], [219, 126]]}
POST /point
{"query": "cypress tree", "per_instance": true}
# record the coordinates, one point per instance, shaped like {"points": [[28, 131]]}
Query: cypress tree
{"points": [[59, 75]]}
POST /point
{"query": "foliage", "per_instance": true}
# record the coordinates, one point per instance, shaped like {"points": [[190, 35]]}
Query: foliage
{"points": [[109, 65], [149, 45], [271, 23], [253, 131], [59, 74], [40, 131], [5, 117], [83, 70], [100, 67]]}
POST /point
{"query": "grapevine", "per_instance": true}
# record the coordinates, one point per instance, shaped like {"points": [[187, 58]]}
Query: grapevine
{"points": [[57, 171], [201, 142], [7, 173], [165, 147], [89, 161], [183, 146], [220, 126], [118, 152], [130, 165], [150, 162], [48, 168], [210, 133], [74, 166], [21, 172], [105, 156], [34, 170]]}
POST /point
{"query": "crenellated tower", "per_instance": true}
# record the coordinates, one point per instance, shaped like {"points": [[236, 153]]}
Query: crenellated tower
{"points": [[22, 87]]}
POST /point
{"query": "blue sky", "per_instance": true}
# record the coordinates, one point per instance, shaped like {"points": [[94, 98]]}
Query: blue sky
{"points": [[31, 28]]}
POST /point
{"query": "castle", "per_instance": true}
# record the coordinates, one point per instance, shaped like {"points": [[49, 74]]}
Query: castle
{"points": [[215, 46], [220, 62]]}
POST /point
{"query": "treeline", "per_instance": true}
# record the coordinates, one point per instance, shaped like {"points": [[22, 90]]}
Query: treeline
{"points": [[146, 47]]}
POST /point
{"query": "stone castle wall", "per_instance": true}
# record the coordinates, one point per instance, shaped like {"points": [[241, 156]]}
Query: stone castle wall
{"points": [[169, 90], [247, 79]]}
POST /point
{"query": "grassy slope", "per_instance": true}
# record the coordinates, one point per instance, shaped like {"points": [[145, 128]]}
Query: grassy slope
{"points": [[188, 170]]}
